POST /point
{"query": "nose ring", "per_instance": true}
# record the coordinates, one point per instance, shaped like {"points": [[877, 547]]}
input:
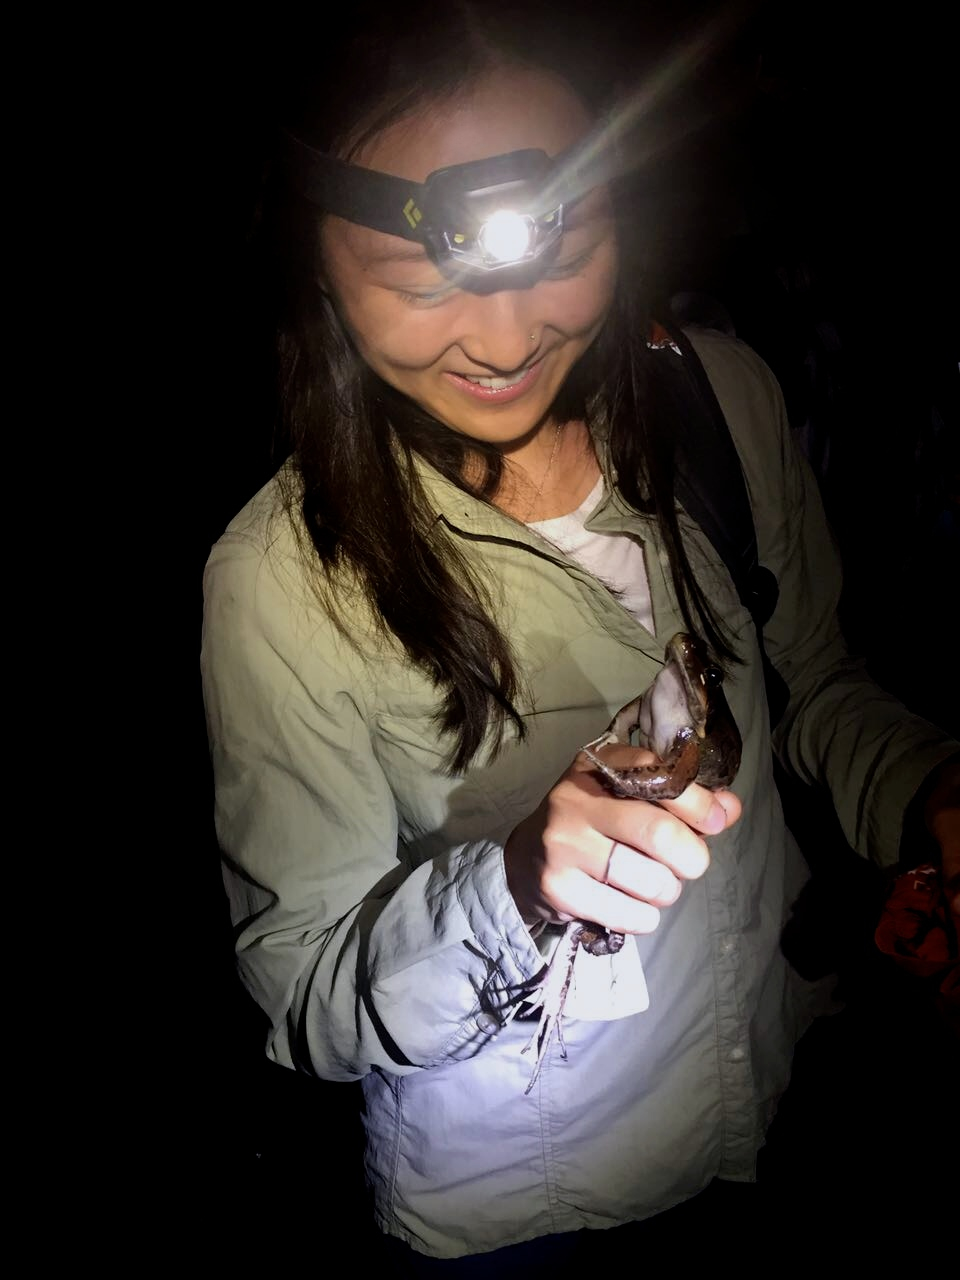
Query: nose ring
{"points": [[533, 337]]}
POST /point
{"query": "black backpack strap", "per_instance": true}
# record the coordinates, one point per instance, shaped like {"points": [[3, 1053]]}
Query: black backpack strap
{"points": [[709, 483]]}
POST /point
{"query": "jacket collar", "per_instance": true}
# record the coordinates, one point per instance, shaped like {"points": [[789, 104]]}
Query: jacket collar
{"points": [[473, 516]]}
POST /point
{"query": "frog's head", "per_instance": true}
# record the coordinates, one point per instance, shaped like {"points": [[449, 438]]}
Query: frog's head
{"points": [[700, 678], [681, 696]]}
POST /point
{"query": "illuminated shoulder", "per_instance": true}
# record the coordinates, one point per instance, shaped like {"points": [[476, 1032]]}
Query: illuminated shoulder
{"points": [[735, 370]]}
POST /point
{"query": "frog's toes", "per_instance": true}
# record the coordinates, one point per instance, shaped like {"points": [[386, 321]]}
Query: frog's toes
{"points": [[552, 996], [605, 740]]}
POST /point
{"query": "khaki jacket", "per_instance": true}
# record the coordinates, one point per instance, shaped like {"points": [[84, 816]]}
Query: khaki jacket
{"points": [[373, 921]]}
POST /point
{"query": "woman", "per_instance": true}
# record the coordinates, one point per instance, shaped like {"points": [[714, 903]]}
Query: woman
{"points": [[472, 560]]}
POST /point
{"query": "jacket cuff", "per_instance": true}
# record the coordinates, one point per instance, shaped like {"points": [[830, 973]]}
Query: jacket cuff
{"points": [[480, 880], [917, 845], [894, 793]]}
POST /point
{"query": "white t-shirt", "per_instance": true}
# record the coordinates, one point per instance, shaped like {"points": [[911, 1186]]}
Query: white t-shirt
{"points": [[616, 559]]}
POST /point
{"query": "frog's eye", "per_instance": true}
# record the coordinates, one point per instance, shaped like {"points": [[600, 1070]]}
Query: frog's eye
{"points": [[713, 677]]}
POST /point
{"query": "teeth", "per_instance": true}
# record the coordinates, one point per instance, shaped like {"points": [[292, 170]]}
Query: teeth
{"points": [[497, 384]]}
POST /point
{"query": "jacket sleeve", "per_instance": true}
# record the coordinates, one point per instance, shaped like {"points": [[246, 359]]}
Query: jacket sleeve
{"points": [[840, 729], [359, 962]]}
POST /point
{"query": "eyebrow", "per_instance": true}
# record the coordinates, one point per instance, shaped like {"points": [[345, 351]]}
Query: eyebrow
{"points": [[411, 253]]}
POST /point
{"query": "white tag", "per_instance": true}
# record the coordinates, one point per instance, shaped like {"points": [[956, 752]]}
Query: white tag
{"points": [[604, 988]]}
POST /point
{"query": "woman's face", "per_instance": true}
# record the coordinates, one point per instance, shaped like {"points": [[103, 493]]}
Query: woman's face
{"points": [[431, 340]]}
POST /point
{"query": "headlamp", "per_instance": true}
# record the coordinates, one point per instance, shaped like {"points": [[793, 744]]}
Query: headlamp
{"points": [[474, 219], [489, 215], [507, 237]]}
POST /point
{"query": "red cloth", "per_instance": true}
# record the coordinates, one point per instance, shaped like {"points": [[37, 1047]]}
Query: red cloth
{"points": [[915, 927], [917, 930]]}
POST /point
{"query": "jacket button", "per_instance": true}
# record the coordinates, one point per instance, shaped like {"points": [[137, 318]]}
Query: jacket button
{"points": [[488, 1024]]}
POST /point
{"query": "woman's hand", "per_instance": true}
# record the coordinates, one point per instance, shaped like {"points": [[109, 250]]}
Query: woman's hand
{"points": [[586, 854]]}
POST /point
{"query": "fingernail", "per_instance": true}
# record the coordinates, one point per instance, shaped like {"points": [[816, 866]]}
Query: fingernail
{"points": [[716, 819]]}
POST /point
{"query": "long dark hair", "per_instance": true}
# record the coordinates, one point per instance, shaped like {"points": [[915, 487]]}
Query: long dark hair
{"points": [[355, 440]]}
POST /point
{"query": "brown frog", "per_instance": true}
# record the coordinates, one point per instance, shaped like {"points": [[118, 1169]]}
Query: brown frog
{"points": [[684, 719]]}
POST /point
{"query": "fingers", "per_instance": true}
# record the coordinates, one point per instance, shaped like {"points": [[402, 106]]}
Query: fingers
{"points": [[634, 854], [588, 854], [590, 899], [617, 862], [619, 888], [641, 877], [706, 811], [666, 836]]}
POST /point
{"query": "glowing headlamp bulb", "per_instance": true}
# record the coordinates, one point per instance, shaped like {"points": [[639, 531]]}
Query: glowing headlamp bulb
{"points": [[506, 236]]}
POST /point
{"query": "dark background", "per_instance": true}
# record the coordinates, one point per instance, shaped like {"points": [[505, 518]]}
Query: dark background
{"points": [[807, 188]]}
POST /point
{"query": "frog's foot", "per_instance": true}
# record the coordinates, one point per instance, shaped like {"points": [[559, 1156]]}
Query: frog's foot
{"points": [[552, 996], [598, 941], [605, 740]]}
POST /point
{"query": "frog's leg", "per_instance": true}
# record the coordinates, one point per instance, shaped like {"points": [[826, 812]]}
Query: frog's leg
{"points": [[552, 996], [662, 780], [620, 727], [551, 993]]}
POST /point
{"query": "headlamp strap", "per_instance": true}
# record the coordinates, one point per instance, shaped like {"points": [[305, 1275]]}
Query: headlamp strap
{"points": [[397, 206], [383, 201]]}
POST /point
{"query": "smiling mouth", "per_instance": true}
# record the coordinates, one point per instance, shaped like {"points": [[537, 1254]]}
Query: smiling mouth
{"points": [[498, 390], [497, 384]]}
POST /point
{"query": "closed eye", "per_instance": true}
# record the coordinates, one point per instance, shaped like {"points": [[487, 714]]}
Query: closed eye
{"points": [[432, 297], [563, 270], [427, 297]]}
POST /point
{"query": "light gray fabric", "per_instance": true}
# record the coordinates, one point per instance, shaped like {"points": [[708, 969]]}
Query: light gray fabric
{"points": [[374, 925]]}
